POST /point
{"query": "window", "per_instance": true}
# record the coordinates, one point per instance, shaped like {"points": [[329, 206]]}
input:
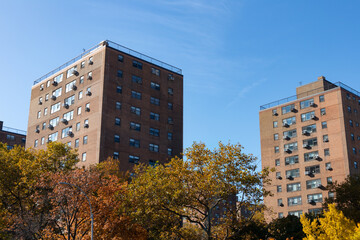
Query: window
{"points": [[70, 72], [53, 137], [291, 146], [116, 155], [291, 160], [329, 180], [46, 97], [120, 73], [134, 159], [135, 126], [154, 132], [277, 162], [85, 140], [86, 123], [310, 156], [326, 152], [170, 106], [116, 138], [289, 121], [155, 86], [135, 94], [77, 142], [289, 134], [349, 109], [356, 124], [293, 187], [276, 149], [48, 83], [43, 125], [171, 77], [294, 173], [136, 79], [312, 169], [169, 151], [80, 96], [348, 96], [153, 147], [275, 124], [79, 111], [321, 98], [278, 175], [135, 110], [66, 132], [54, 108], [170, 120], [88, 91], [154, 116], [117, 121], [81, 80], [307, 116], [39, 114], [137, 64], [351, 123], [287, 108], [84, 157], [294, 201], [309, 129], [354, 150], [355, 164], [280, 215], [57, 92], [331, 195], [40, 100], [280, 202], [310, 142], [119, 89], [306, 103], [57, 79], [351, 135], [82, 64], [70, 86], [69, 115], [278, 188], [325, 138], [295, 213], [89, 77], [78, 126], [276, 136], [170, 136], [118, 105], [134, 142], [155, 101], [155, 71], [54, 122], [322, 111], [120, 58], [274, 112], [70, 100], [323, 125], [314, 198], [41, 87], [36, 143], [170, 91]]}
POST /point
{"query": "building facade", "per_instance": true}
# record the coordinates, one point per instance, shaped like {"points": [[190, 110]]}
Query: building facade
{"points": [[12, 136], [110, 101], [312, 140]]}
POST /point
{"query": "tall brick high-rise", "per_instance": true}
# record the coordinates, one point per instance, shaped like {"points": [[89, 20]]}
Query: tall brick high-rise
{"points": [[312, 139], [110, 101]]}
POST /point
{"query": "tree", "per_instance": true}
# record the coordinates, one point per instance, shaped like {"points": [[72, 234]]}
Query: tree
{"points": [[285, 228], [347, 197], [332, 226], [188, 191], [20, 170]]}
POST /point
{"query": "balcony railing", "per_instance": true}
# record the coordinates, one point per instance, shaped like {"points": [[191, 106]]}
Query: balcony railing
{"points": [[13, 130], [309, 93], [117, 47]]}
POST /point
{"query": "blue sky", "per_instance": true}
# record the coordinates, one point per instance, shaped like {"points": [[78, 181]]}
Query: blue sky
{"points": [[236, 55]]}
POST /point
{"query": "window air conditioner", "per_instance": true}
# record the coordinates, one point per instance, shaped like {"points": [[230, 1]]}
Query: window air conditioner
{"points": [[278, 177], [51, 127], [329, 168], [65, 105], [53, 97], [74, 87], [54, 83], [70, 134], [86, 125], [89, 77], [285, 124], [305, 145], [289, 177], [41, 88], [37, 130], [313, 117], [40, 102], [63, 120], [87, 109], [313, 105], [317, 157], [91, 62], [75, 72], [286, 138], [88, 93], [294, 110], [305, 132]]}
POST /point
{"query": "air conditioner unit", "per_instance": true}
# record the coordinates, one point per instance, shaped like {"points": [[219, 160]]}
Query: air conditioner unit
{"points": [[87, 109], [75, 72], [313, 117], [285, 124], [88, 93], [41, 88], [329, 168], [305, 132], [171, 122], [286, 137], [294, 110], [312, 202], [288, 150], [49, 140], [305, 145], [323, 113], [40, 102], [54, 83], [37, 130], [281, 204], [278, 177], [320, 186], [65, 105], [89, 77], [51, 127], [70, 134], [326, 140], [53, 97], [313, 105], [74, 87], [63, 120], [317, 157], [275, 114], [91, 62], [289, 177], [86, 125]]}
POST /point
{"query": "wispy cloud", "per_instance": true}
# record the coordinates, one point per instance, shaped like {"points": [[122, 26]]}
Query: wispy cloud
{"points": [[242, 93]]}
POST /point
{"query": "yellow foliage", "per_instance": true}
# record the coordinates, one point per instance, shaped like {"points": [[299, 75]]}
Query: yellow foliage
{"points": [[333, 226]]}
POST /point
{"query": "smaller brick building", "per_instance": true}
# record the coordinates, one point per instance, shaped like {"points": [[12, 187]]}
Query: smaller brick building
{"points": [[12, 136]]}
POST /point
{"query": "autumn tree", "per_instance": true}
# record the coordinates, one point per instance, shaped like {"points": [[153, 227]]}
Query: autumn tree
{"points": [[170, 199], [332, 226], [286, 228], [20, 170], [347, 197]]}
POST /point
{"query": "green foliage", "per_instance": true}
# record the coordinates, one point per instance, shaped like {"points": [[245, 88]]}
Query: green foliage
{"points": [[287, 227]]}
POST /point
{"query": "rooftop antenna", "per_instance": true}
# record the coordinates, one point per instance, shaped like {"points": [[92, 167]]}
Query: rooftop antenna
{"points": [[84, 49], [300, 83]]}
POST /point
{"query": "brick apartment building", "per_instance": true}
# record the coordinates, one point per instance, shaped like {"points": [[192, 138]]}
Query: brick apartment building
{"points": [[110, 101], [12, 136], [312, 139]]}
